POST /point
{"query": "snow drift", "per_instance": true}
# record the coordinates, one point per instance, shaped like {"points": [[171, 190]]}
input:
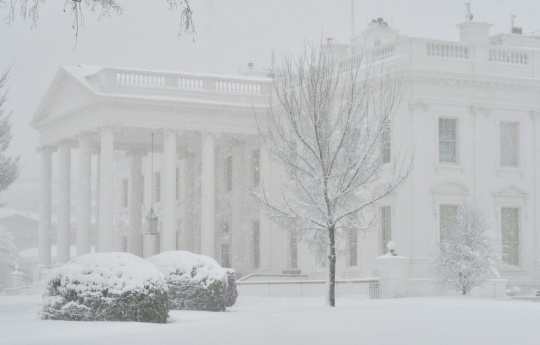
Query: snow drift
{"points": [[195, 282], [106, 287]]}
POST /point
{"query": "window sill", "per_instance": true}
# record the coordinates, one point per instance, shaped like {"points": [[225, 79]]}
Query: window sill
{"points": [[510, 170], [449, 167]]}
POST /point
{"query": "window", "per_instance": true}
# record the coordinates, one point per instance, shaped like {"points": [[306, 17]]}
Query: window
{"points": [[321, 255], [157, 186], [177, 185], [447, 220], [124, 244], [256, 166], [386, 147], [509, 143], [125, 191], [229, 177], [256, 244], [386, 227], [353, 248], [225, 255], [448, 141], [226, 227], [510, 235], [293, 251], [142, 190]]}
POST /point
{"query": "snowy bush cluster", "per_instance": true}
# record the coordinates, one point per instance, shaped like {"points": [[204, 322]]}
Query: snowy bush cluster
{"points": [[106, 287], [196, 282]]}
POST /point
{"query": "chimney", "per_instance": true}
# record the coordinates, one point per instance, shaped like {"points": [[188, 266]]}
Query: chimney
{"points": [[474, 32]]}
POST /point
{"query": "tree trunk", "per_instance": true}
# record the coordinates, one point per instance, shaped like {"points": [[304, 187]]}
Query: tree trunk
{"points": [[331, 267], [464, 291]]}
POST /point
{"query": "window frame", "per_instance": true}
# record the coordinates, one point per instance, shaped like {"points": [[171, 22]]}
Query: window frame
{"points": [[519, 145], [439, 218], [519, 233], [382, 247], [256, 243], [457, 141], [229, 173]]}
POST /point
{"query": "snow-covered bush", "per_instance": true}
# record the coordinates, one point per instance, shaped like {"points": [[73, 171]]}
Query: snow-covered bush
{"points": [[195, 282], [106, 287], [9, 257], [468, 257]]}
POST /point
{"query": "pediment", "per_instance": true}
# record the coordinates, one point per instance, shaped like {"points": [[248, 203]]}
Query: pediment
{"points": [[64, 94], [451, 188], [512, 191]]}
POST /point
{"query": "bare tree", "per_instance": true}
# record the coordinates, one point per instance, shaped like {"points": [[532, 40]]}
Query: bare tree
{"points": [[31, 8], [468, 257], [327, 120]]}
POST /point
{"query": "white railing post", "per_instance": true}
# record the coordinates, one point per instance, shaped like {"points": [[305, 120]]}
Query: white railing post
{"points": [[392, 272]]}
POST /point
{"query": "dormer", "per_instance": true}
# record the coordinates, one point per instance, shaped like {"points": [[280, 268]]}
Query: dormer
{"points": [[377, 33]]}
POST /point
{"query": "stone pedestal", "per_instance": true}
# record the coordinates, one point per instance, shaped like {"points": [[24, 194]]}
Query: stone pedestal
{"points": [[17, 279], [392, 272]]}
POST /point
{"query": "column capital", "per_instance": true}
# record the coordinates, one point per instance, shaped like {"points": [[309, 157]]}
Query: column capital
{"points": [[72, 143], [416, 104], [46, 149], [535, 114]]}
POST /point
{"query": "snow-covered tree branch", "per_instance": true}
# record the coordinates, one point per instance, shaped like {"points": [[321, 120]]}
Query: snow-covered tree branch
{"points": [[468, 257], [324, 127], [103, 8]]}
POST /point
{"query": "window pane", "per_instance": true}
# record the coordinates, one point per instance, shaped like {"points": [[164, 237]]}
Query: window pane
{"points": [[448, 140], [447, 219], [256, 245], [510, 235], [225, 255], [386, 146], [256, 166], [386, 227], [353, 248], [229, 176], [509, 135], [294, 252]]}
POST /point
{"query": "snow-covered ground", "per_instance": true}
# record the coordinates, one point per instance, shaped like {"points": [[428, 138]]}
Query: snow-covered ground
{"points": [[295, 320]]}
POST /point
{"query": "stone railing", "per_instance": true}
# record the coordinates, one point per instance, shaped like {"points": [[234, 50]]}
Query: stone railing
{"points": [[450, 50], [510, 56], [383, 52], [112, 78]]}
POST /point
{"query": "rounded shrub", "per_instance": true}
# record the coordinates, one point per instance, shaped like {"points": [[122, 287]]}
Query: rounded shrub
{"points": [[195, 282], [106, 287]]}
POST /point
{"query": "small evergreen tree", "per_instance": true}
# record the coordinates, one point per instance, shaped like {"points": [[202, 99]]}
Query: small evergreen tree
{"points": [[9, 166], [468, 257]]}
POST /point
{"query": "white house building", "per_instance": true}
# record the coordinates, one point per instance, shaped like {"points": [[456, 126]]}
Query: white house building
{"points": [[471, 113]]}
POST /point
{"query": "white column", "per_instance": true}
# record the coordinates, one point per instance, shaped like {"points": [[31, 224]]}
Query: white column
{"points": [[168, 192], [135, 203], [184, 199], [536, 117], [264, 221], [84, 194], [98, 169], [207, 196], [44, 243], [106, 185], [64, 200]]}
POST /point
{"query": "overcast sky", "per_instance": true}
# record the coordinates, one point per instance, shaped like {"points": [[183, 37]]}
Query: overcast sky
{"points": [[230, 34]]}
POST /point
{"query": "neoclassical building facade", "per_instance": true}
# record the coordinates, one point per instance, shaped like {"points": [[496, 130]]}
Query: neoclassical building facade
{"points": [[185, 147]]}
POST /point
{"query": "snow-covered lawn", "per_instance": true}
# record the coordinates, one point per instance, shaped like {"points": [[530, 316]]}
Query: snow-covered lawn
{"points": [[295, 320]]}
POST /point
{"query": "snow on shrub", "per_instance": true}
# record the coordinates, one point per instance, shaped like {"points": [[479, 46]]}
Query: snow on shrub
{"points": [[106, 287], [196, 282]]}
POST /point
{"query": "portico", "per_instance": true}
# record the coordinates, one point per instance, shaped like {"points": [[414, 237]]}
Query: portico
{"points": [[111, 118]]}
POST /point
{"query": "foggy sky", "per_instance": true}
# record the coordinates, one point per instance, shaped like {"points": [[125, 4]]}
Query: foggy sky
{"points": [[230, 34]]}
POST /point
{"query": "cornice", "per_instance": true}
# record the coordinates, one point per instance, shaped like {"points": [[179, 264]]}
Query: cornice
{"points": [[476, 110], [475, 80]]}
